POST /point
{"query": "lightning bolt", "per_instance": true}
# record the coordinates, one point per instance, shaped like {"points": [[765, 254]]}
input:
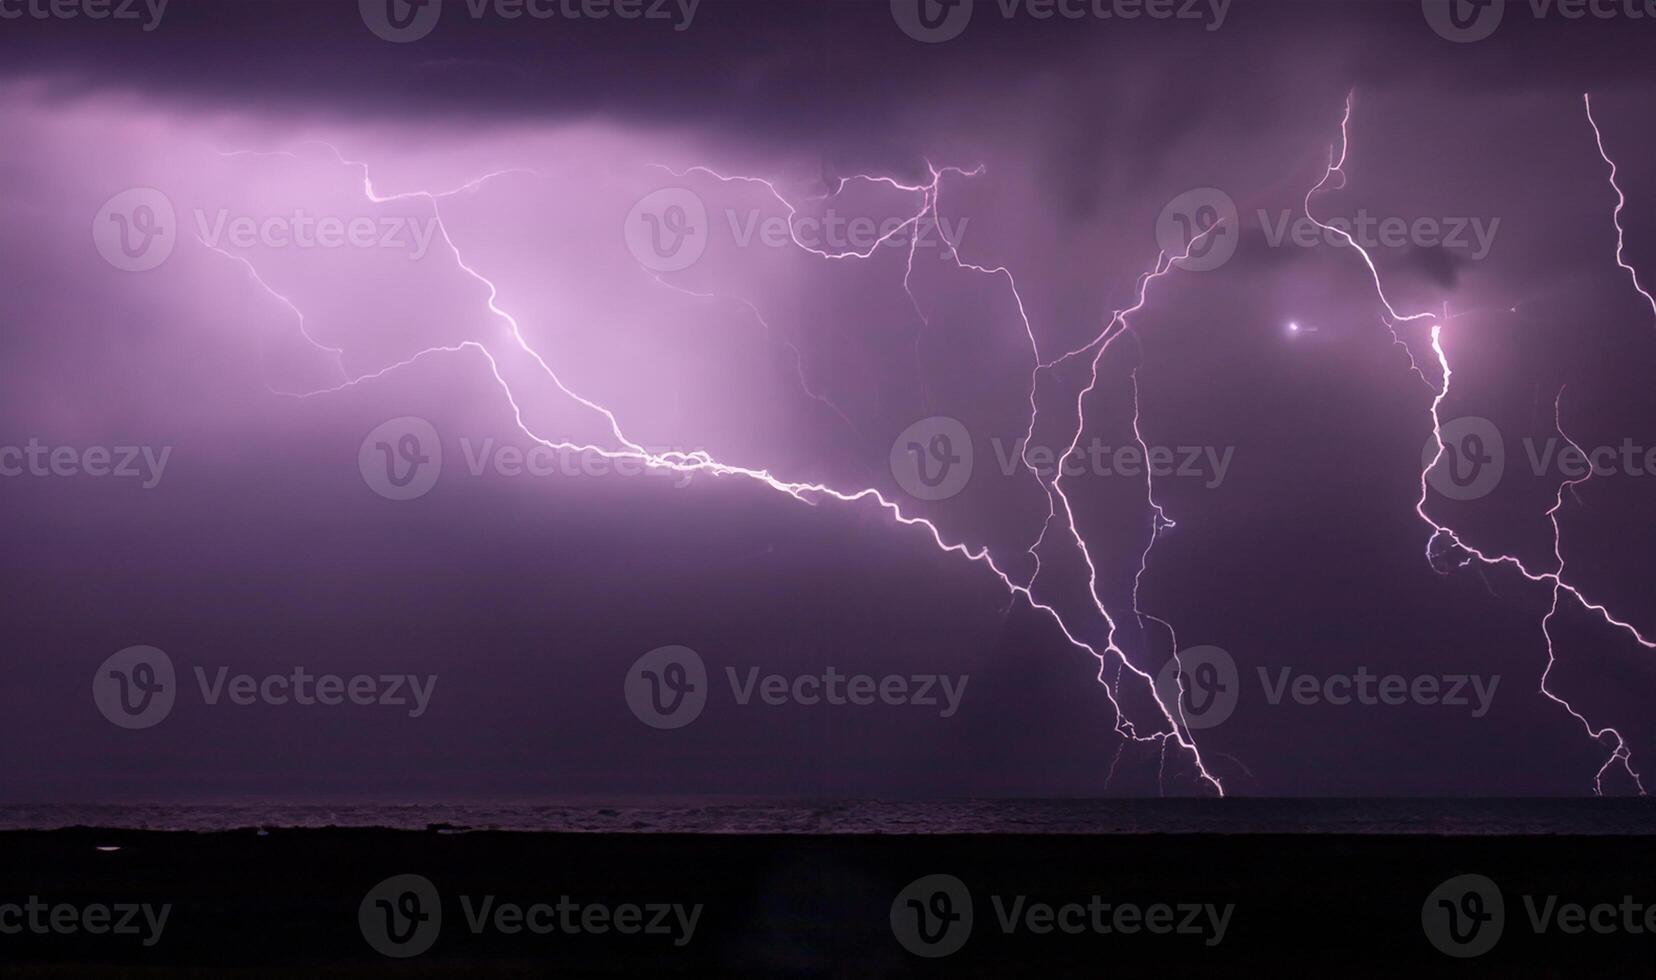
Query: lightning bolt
{"points": [[1621, 753], [336, 354], [930, 195], [1621, 202], [806, 492], [1171, 730], [1442, 532]]}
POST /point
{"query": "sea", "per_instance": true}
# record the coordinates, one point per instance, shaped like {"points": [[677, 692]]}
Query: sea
{"points": [[723, 815]]}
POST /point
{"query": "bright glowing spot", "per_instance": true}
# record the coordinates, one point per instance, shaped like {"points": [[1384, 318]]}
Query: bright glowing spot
{"points": [[1293, 327]]}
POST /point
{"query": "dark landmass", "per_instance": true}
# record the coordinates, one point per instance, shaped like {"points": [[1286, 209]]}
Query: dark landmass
{"points": [[286, 902]]}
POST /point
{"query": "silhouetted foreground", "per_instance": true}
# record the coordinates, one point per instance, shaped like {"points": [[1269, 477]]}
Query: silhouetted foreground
{"points": [[309, 902]]}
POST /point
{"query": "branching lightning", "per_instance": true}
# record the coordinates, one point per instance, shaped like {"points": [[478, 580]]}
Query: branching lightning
{"points": [[1442, 532], [701, 462], [1171, 728], [1621, 753]]}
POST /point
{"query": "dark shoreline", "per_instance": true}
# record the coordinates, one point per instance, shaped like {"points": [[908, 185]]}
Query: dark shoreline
{"points": [[287, 902], [694, 815]]}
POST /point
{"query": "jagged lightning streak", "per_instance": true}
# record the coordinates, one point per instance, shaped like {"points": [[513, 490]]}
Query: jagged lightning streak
{"points": [[930, 196], [1442, 531], [793, 349], [1621, 202], [1554, 578], [1056, 497], [929, 193], [1117, 325], [337, 354], [1621, 753], [703, 463]]}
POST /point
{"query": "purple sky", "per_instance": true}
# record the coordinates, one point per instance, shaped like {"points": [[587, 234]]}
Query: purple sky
{"points": [[262, 547]]}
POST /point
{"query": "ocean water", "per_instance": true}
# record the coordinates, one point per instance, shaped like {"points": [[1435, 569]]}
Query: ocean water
{"points": [[738, 816]]}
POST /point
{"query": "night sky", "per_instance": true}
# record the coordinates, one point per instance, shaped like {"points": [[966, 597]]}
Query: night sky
{"points": [[263, 545]]}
